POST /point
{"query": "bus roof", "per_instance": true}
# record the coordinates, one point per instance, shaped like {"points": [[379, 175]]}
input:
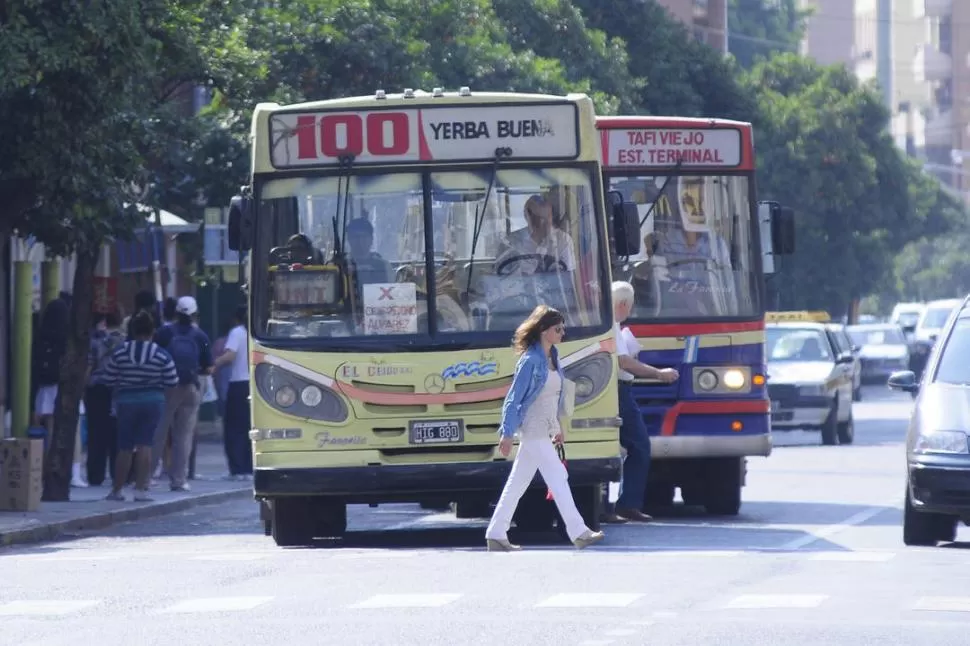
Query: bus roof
{"points": [[417, 127], [661, 143]]}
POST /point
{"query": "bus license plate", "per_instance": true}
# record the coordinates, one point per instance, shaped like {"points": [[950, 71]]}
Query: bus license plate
{"points": [[437, 432]]}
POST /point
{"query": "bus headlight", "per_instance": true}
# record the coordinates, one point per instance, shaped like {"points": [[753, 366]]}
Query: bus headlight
{"points": [[734, 379], [591, 376], [707, 380], [294, 395]]}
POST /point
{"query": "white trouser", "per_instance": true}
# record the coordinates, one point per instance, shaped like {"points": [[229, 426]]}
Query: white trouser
{"points": [[536, 451]]}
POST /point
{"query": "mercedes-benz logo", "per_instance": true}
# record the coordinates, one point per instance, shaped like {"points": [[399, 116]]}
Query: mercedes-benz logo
{"points": [[434, 384]]}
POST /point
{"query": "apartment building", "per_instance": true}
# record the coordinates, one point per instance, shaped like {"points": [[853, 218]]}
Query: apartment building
{"points": [[942, 62], [830, 31], [707, 19]]}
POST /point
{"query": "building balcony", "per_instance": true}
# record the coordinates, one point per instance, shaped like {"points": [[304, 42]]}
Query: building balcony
{"points": [[933, 8], [931, 65], [939, 131]]}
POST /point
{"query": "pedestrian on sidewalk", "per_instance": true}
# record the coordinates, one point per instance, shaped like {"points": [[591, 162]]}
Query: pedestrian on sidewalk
{"points": [[236, 421], [191, 351], [532, 409], [139, 372], [101, 421], [634, 436]]}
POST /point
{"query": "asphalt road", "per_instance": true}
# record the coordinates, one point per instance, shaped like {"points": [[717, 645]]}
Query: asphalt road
{"points": [[815, 558]]}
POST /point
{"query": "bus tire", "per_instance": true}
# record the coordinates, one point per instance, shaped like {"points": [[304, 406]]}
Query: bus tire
{"points": [[722, 496], [329, 518], [292, 523]]}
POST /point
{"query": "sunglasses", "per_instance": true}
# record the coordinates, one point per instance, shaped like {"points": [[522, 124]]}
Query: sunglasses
{"points": [[560, 329]]}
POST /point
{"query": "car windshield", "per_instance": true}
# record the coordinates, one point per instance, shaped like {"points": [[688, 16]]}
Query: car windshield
{"points": [[954, 362], [936, 317], [697, 257], [361, 270], [908, 319], [876, 336], [796, 344]]}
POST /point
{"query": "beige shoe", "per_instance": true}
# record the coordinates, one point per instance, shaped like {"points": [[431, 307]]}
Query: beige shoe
{"points": [[494, 545], [587, 538]]}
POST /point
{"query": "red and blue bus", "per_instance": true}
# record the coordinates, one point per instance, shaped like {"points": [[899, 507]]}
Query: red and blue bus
{"points": [[698, 271]]}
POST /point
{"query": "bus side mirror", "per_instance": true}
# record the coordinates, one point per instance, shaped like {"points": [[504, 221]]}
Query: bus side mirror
{"points": [[783, 231], [241, 224], [626, 225]]}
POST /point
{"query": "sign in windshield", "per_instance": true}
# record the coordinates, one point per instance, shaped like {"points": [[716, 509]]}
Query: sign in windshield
{"points": [[645, 147], [447, 133]]}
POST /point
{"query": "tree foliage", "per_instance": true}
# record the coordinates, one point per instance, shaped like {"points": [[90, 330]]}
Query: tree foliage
{"points": [[760, 29]]}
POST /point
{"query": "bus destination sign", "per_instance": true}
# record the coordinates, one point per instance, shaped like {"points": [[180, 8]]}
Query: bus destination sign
{"points": [[651, 147], [453, 133]]}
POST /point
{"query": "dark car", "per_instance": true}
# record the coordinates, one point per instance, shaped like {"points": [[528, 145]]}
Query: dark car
{"points": [[937, 444]]}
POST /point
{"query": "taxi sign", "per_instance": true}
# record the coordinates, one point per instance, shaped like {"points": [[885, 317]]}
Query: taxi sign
{"points": [[449, 133], [690, 147], [798, 317]]}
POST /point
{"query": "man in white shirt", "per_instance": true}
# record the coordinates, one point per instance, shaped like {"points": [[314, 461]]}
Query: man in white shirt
{"points": [[634, 436], [539, 238], [236, 422]]}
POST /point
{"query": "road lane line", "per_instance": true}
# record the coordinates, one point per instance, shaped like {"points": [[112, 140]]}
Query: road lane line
{"points": [[831, 530], [943, 604], [44, 608]]}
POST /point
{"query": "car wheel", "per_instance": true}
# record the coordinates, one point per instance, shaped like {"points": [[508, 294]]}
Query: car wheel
{"points": [[830, 427], [926, 529]]}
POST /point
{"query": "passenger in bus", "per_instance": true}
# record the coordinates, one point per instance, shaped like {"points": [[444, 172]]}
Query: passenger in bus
{"points": [[540, 245], [532, 410], [367, 266]]}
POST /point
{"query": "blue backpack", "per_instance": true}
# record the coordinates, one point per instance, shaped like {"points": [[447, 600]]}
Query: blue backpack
{"points": [[185, 355]]}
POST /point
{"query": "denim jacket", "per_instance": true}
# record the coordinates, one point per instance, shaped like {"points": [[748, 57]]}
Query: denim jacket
{"points": [[530, 376]]}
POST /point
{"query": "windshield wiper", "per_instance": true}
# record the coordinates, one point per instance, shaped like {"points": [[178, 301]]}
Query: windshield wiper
{"points": [[500, 154], [663, 188], [343, 193]]}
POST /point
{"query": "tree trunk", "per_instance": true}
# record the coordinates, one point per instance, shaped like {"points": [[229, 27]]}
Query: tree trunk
{"points": [[70, 389]]}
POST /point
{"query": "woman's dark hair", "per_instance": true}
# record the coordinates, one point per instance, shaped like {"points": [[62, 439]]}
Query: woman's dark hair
{"points": [[168, 308], [55, 322], [142, 325], [528, 333]]}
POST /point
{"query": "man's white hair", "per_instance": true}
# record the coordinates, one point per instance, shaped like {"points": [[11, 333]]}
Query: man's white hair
{"points": [[623, 293]]}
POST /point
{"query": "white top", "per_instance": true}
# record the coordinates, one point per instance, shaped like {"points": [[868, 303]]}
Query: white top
{"points": [[557, 244], [237, 342], [626, 345], [542, 417]]}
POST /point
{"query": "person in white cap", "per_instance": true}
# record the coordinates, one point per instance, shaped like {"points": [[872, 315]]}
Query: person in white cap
{"points": [[192, 354]]}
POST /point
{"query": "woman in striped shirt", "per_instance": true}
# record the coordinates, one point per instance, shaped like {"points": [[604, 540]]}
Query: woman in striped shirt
{"points": [[139, 372]]}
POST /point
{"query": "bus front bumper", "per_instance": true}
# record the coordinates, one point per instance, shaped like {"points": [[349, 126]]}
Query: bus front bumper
{"points": [[389, 481]]}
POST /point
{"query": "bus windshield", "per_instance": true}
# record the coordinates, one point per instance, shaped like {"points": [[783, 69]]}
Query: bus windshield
{"points": [[352, 264], [698, 257]]}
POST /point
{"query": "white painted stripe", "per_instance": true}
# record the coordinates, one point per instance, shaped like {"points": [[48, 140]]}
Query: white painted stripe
{"points": [[589, 600], [761, 601], [408, 601], [620, 632], [44, 608], [853, 557], [831, 530], [230, 556], [217, 604], [943, 604]]}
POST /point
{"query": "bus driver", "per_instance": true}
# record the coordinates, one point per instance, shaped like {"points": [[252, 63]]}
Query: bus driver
{"points": [[538, 242]]}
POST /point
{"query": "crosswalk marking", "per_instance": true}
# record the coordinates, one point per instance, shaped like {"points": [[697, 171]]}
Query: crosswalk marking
{"points": [[861, 557], [620, 632], [408, 601], [43, 608], [764, 601], [589, 600], [943, 604], [217, 604]]}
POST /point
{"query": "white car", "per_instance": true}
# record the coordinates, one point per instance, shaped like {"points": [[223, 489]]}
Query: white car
{"points": [[809, 382]]}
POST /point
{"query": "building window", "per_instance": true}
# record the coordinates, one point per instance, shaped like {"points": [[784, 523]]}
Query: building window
{"points": [[701, 8]]}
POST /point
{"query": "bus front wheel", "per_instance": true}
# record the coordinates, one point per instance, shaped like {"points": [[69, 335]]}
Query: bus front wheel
{"points": [[722, 495]]}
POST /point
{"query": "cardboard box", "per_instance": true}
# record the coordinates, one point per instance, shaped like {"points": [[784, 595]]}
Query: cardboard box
{"points": [[21, 474]]}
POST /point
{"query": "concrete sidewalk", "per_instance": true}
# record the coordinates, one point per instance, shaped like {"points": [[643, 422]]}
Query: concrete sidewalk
{"points": [[88, 510]]}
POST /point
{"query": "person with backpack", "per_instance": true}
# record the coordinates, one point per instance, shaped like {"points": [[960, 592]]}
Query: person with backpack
{"points": [[102, 423], [192, 353]]}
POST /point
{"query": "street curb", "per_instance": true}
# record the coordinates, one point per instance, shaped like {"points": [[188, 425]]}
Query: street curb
{"points": [[53, 531]]}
